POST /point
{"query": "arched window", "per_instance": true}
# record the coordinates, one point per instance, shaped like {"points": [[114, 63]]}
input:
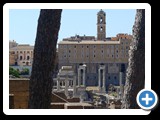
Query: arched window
{"points": [[28, 58], [20, 58], [101, 20], [101, 29]]}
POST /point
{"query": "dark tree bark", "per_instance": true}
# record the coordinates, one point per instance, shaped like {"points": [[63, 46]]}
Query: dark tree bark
{"points": [[40, 84], [135, 77]]}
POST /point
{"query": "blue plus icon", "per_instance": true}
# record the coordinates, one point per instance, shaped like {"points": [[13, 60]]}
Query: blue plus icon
{"points": [[147, 99]]}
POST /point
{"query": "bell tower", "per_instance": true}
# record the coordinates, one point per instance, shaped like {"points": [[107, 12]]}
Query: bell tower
{"points": [[101, 25]]}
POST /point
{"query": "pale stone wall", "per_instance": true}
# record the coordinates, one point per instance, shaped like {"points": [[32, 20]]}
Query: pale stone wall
{"points": [[112, 55], [12, 44], [93, 51], [23, 55]]}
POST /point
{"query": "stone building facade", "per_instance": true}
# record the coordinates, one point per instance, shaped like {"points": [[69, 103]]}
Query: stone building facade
{"points": [[93, 51], [12, 43], [21, 55]]}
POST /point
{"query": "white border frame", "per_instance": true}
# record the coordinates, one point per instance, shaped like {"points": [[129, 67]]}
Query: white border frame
{"points": [[8, 6]]}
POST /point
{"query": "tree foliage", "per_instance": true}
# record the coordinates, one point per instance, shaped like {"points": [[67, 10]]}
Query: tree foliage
{"points": [[25, 71], [14, 72]]}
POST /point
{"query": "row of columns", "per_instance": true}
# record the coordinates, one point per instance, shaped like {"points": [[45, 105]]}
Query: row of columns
{"points": [[82, 80], [67, 84]]}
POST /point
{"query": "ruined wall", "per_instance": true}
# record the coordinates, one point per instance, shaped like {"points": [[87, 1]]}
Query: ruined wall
{"points": [[135, 76], [19, 87]]}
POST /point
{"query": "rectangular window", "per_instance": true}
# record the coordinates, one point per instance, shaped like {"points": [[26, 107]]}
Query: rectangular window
{"points": [[20, 58], [126, 47]]}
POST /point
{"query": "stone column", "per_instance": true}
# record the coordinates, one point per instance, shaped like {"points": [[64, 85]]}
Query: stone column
{"points": [[104, 80], [79, 76], [84, 77], [99, 77], [69, 83], [120, 83], [74, 86], [58, 84], [66, 86], [62, 83]]}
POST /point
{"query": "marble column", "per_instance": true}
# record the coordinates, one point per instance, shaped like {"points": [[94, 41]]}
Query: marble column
{"points": [[66, 86], [74, 86], [84, 77], [104, 79], [58, 84], [120, 83], [79, 77], [99, 77]]}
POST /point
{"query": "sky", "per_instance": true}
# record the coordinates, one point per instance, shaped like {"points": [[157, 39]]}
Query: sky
{"points": [[23, 23]]}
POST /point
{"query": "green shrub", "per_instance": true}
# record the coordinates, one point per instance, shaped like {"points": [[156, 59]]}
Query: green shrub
{"points": [[14, 72]]}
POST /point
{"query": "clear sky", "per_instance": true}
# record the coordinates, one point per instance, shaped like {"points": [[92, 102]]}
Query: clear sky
{"points": [[23, 23]]}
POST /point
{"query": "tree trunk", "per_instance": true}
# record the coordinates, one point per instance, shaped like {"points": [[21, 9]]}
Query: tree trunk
{"points": [[40, 85], [135, 77]]}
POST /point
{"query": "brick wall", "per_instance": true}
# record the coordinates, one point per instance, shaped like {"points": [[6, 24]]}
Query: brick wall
{"points": [[20, 88], [19, 93]]}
